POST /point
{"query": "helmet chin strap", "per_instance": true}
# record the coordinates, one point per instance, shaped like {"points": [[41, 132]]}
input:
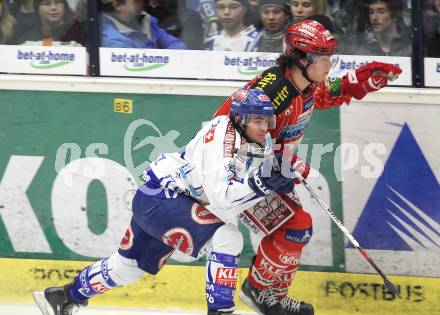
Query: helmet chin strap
{"points": [[241, 130], [304, 72]]}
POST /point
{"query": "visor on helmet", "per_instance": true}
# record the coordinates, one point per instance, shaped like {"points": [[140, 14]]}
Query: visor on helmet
{"points": [[259, 119], [323, 58]]}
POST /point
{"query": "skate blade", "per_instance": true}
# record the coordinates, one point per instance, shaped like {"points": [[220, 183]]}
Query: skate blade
{"points": [[42, 303], [249, 303]]}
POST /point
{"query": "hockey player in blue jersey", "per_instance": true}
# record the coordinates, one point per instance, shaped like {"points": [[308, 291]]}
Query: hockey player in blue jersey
{"points": [[189, 202]]}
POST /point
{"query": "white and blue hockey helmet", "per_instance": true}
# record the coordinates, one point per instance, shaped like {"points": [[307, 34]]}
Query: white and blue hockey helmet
{"points": [[248, 103]]}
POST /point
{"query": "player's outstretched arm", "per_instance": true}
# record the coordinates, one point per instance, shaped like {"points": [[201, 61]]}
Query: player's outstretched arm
{"points": [[369, 78]]}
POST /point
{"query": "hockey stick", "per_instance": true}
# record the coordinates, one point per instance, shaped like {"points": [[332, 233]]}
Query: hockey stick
{"points": [[350, 237], [391, 287]]}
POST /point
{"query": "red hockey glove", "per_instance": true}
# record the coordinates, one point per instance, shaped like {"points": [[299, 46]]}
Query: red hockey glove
{"points": [[301, 167], [369, 78]]}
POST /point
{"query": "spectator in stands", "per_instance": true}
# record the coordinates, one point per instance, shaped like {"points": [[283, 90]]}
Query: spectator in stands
{"points": [[25, 15], [55, 20], [386, 34], [206, 9], [275, 15], [302, 9], [254, 14], [178, 21], [7, 23], [125, 24], [78, 32], [236, 34], [432, 28]]}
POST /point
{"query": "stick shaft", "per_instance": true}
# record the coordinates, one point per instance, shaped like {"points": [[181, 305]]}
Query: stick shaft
{"points": [[350, 237]]}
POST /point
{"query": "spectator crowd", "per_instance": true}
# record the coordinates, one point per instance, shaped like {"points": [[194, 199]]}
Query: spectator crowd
{"points": [[362, 27]]}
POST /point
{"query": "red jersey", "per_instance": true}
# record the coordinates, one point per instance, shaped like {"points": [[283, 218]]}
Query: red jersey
{"points": [[293, 109]]}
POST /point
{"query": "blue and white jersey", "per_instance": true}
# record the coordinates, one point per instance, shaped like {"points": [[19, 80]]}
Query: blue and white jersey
{"points": [[243, 41], [209, 170], [206, 9]]}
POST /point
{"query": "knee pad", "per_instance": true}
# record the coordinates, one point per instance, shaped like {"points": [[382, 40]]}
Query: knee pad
{"points": [[296, 233], [227, 239]]}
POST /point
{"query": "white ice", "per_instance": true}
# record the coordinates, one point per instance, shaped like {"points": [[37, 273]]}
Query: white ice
{"points": [[29, 309]]}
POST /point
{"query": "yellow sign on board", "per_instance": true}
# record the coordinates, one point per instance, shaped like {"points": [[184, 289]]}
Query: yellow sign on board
{"points": [[123, 106]]}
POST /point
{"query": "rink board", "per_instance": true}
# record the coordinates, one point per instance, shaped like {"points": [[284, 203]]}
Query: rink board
{"points": [[182, 287], [71, 161]]}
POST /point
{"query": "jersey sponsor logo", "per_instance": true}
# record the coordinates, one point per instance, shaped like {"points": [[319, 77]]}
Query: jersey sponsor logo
{"points": [[261, 187], [180, 239], [290, 259], [277, 87], [266, 80], [227, 276], [308, 103], [270, 213], [202, 216], [127, 240], [209, 136], [229, 141], [268, 272], [280, 96], [401, 213], [299, 236], [293, 131], [99, 287]]}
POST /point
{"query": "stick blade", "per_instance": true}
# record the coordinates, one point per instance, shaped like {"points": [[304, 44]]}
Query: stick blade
{"points": [[391, 287]]}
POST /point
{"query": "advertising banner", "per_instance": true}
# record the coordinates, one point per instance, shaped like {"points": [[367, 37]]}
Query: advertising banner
{"points": [[194, 64], [222, 65], [44, 59], [393, 210], [70, 164], [432, 72]]}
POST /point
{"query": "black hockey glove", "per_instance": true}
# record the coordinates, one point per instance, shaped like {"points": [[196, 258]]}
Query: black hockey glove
{"points": [[276, 182]]}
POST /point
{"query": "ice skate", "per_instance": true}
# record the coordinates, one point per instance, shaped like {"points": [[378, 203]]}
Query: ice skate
{"points": [[54, 301], [221, 312], [294, 307], [264, 302]]}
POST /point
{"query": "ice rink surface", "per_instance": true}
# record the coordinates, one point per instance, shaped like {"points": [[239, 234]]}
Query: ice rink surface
{"points": [[30, 309]]}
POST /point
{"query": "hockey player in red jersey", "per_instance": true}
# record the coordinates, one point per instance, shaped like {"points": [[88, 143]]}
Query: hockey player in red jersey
{"points": [[297, 85]]}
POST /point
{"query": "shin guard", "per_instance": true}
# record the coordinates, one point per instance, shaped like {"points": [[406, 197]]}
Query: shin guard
{"points": [[267, 268], [221, 281], [104, 275]]}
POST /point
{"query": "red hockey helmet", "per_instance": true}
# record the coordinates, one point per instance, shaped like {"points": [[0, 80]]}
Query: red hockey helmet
{"points": [[310, 37]]}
